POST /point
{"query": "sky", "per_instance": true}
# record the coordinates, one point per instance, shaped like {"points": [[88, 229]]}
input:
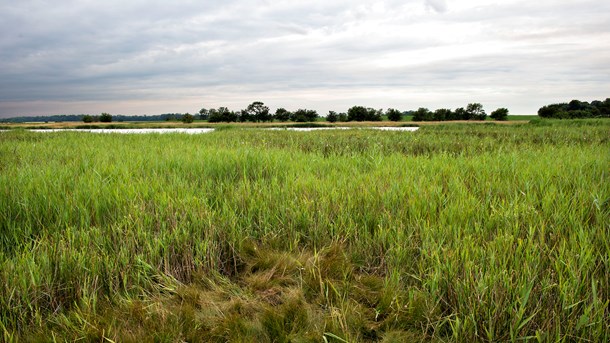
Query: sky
{"points": [[137, 57]]}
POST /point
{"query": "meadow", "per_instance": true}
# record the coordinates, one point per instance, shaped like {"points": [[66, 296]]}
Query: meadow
{"points": [[453, 233]]}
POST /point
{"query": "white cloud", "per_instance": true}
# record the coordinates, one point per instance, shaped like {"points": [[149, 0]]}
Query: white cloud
{"points": [[439, 6], [88, 56]]}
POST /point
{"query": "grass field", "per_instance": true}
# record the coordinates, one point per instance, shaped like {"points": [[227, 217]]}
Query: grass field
{"points": [[453, 233]]}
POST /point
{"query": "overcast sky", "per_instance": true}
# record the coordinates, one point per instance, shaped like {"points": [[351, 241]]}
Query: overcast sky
{"points": [[152, 57]]}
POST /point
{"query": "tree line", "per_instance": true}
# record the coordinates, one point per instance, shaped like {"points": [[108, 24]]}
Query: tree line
{"points": [[94, 118], [576, 109], [258, 112], [473, 111]]}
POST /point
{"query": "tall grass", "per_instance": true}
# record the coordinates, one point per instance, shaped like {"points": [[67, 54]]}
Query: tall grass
{"points": [[451, 233]]}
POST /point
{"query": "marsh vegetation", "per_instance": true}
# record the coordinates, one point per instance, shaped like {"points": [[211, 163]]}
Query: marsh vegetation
{"points": [[451, 233]]}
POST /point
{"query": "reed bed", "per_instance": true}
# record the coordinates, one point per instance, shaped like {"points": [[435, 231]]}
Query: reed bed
{"points": [[452, 233]]}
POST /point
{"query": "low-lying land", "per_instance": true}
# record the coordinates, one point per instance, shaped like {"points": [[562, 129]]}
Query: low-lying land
{"points": [[205, 124], [455, 232]]}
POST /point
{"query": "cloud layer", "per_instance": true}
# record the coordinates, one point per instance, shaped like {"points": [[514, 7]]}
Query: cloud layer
{"points": [[149, 57]]}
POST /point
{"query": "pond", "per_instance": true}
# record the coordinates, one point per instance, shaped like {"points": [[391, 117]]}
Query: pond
{"points": [[383, 128], [206, 130], [172, 130]]}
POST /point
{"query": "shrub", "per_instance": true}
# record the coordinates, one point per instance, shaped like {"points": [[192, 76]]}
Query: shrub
{"points": [[105, 117], [393, 114], [499, 114], [332, 116], [187, 118]]}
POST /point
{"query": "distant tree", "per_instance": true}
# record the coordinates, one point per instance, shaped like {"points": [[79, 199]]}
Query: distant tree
{"points": [[393, 114], [227, 115], [222, 114], [257, 111], [304, 115], [553, 111], [204, 114], [577, 105], [356, 113], [422, 114], [87, 118], [332, 116], [105, 117], [576, 109], [342, 117], [461, 114], [244, 116], [373, 114], [214, 116], [281, 114], [500, 114], [442, 114], [187, 118], [603, 107], [476, 111], [361, 113]]}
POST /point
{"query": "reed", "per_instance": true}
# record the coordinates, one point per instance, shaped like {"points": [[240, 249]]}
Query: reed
{"points": [[455, 232]]}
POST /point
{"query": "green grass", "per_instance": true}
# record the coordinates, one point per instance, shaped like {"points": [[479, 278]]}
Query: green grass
{"points": [[455, 232], [522, 117]]}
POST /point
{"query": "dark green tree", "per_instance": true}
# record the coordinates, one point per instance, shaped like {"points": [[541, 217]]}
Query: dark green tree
{"points": [[393, 114], [373, 114], [257, 111], [499, 114], [475, 111], [105, 117], [187, 118], [282, 114], [214, 116], [332, 116], [204, 114], [357, 113], [553, 111], [442, 114], [222, 114], [227, 115], [422, 114], [461, 114], [88, 118], [244, 116], [304, 115]]}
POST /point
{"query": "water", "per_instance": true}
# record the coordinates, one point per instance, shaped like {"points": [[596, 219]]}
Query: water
{"points": [[206, 130], [393, 128], [171, 130]]}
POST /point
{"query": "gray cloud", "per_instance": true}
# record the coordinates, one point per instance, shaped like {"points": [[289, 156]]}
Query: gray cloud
{"points": [[155, 57], [439, 6]]}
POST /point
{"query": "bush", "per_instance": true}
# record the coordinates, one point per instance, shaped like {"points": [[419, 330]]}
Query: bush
{"points": [[105, 118], [304, 115], [361, 113], [499, 114], [442, 114], [332, 116], [187, 118], [576, 109], [281, 114], [475, 111], [222, 114], [393, 114], [422, 114]]}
